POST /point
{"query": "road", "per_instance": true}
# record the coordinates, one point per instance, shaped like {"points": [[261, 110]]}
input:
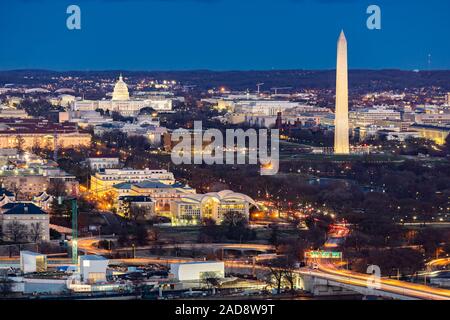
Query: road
{"points": [[331, 272], [328, 271], [438, 264], [88, 245]]}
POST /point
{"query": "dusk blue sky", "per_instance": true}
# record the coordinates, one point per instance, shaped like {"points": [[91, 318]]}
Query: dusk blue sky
{"points": [[222, 34]]}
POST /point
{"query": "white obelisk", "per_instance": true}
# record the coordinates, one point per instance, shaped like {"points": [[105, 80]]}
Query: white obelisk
{"points": [[341, 134]]}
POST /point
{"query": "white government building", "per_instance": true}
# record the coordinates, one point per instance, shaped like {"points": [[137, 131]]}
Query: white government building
{"points": [[192, 208], [122, 103], [104, 180]]}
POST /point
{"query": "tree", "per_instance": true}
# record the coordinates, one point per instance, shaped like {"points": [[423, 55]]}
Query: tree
{"points": [[282, 271], [36, 148], [136, 213], [141, 234], [236, 226], [57, 188], [16, 231], [431, 240], [275, 277], [290, 277], [210, 231], [20, 145], [447, 144], [234, 219], [273, 240], [104, 244], [391, 261], [36, 231], [15, 189], [40, 108], [154, 234], [211, 280], [123, 239], [61, 210]]}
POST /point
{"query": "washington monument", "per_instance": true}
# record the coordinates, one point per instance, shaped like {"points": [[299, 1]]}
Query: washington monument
{"points": [[341, 139]]}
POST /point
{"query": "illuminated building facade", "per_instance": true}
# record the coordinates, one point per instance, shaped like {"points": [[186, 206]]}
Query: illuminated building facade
{"points": [[373, 116], [122, 103], [29, 183], [103, 181], [142, 205], [437, 134], [102, 162], [34, 220], [162, 194], [37, 132], [192, 208]]}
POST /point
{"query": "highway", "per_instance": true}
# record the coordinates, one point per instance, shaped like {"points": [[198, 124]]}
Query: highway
{"points": [[438, 264], [417, 291], [325, 270], [351, 279], [88, 245]]}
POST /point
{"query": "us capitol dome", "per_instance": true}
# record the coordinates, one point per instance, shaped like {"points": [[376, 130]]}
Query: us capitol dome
{"points": [[120, 92], [122, 103]]}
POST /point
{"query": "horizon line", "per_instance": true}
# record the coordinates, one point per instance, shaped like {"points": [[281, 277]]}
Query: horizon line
{"points": [[216, 70]]}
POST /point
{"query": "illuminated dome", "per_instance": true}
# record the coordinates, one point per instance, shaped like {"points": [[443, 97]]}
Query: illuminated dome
{"points": [[121, 90]]}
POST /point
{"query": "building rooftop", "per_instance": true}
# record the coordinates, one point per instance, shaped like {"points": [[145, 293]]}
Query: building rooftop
{"points": [[135, 199], [31, 253], [22, 208], [103, 156], [123, 186], [5, 192], [152, 184], [23, 126], [93, 258]]}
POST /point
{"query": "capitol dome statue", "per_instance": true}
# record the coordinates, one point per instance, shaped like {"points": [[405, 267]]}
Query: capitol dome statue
{"points": [[120, 92]]}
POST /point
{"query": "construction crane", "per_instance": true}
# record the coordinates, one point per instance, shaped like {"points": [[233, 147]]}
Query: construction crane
{"points": [[258, 85], [280, 88], [74, 239]]}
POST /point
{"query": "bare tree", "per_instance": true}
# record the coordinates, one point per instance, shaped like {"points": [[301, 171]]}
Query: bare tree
{"points": [[137, 213], [275, 277], [211, 280], [20, 145], [290, 277], [56, 188], [282, 272], [154, 234], [16, 231], [36, 231], [234, 219], [36, 148], [14, 189]]}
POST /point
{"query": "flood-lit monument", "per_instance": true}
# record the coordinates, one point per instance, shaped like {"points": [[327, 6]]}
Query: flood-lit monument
{"points": [[341, 133]]}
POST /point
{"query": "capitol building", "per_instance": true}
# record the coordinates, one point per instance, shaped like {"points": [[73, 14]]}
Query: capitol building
{"points": [[122, 103], [120, 92]]}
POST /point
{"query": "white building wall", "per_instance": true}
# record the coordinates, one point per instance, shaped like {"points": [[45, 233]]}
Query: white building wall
{"points": [[193, 271]]}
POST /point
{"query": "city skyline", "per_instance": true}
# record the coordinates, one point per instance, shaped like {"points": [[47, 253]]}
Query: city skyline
{"points": [[291, 177]]}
